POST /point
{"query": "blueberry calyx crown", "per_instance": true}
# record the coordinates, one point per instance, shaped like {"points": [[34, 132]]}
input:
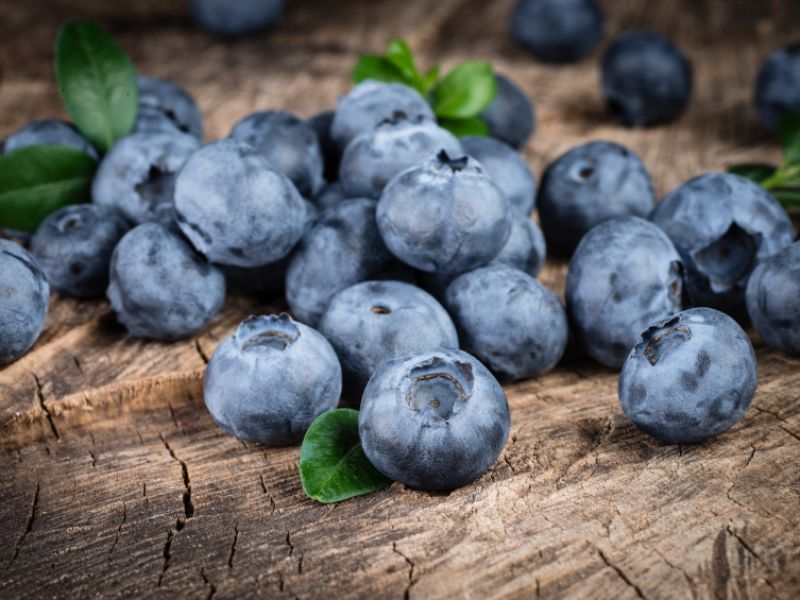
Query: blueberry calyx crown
{"points": [[275, 332], [400, 116], [661, 338], [727, 261], [455, 164], [438, 388]]}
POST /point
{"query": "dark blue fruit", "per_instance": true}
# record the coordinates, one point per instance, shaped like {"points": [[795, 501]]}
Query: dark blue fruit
{"points": [[511, 116], [773, 299], [73, 247], [646, 79], [690, 377], [778, 86], [165, 106], [48, 131], [433, 421], [268, 381], [624, 275], [237, 17]]}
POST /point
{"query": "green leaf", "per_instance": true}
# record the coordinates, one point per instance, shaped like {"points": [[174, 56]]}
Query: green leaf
{"points": [[97, 82], [789, 130], [756, 171], [465, 127], [788, 196], [372, 66], [399, 55], [333, 465], [465, 91], [429, 79], [37, 180]]}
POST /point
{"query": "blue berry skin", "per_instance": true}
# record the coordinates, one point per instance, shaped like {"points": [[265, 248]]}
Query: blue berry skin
{"points": [[778, 86], [170, 101], [48, 131], [722, 225], [235, 207], [24, 296], [510, 321], [73, 247], [624, 275], [646, 79], [773, 300], [435, 420], [508, 169], [511, 116], [375, 321], [330, 196], [525, 249], [372, 102], [446, 216], [373, 158], [690, 377], [331, 153], [137, 177], [160, 287], [588, 185], [341, 249], [234, 18], [268, 381], [557, 31], [288, 143]]}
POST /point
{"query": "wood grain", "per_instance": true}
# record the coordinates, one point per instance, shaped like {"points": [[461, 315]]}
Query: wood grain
{"points": [[115, 482]]}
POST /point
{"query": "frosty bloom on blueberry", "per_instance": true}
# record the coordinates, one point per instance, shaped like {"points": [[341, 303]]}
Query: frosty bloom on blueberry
{"points": [[166, 107], [48, 131], [433, 421], [690, 377]]}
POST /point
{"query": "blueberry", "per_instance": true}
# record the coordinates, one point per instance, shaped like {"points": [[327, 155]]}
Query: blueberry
{"points": [[177, 109], [73, 247], [330, 195], [624, 275], [690, 377], [160, 287], [646, 79], [236, 17], [371, 102], [373, 158], [24, 295], [525, 249], [445, 216], [722, 225], [558, 31], [508, 169], [773, 299], [235, 207], [587, 185], [375, 321], [331, 153], [510, 321], [288, 143], [511, 116], [268, 381], [343, 248], [433, 421], [49, 131], [778, 85], [137, 177]]}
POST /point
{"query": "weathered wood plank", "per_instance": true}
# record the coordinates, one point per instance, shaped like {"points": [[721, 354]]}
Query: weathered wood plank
{"points": [[115, 482]]}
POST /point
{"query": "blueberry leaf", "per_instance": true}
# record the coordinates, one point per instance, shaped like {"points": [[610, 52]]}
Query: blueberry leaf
{"points": [[465, 91], [333, 466], [37, 180], [372, 66], [756, 172], [788, 196], [399, 55], [429, 79], [465, 127], [97, 82], [789, 130]]}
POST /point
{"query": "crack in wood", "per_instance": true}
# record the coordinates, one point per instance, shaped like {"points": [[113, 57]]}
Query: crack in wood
{"points": [[233, 544], [411, 567], [188, 507], [43, 405], [200, 351], [619, 572], [28, 523], [167, 554], [266, 491], [119, 529], [212, 589]]}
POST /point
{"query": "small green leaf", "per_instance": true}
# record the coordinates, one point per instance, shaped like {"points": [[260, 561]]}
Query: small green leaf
{"points": [[333, 465], [465, 127], [788, 196], [97, 82], [790, 137], [465, 91], [429, 80], [372, 66], [756, 171], [37, 180], [399, 55]]}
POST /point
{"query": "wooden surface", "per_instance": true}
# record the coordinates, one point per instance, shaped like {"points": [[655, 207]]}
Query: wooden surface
{"points": [[115, 482]]}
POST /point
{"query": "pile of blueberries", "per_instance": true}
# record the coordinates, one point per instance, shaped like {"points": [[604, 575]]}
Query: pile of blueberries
{"points": [[408, 259]]}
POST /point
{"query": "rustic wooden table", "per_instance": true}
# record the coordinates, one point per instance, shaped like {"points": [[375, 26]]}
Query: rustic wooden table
{"points": [[115, 482]]}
